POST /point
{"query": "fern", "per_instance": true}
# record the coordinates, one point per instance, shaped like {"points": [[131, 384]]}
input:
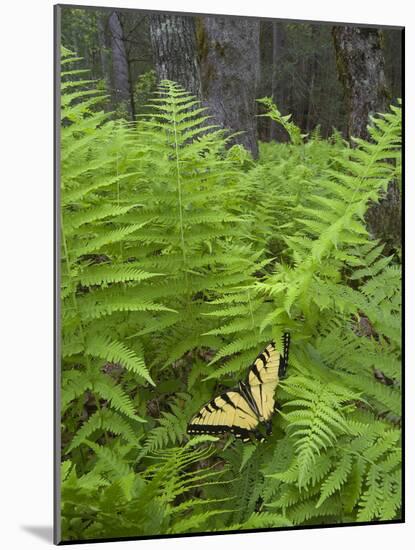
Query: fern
{"points": [[171, 427], [181, 260], [318, 419], [337, 478], [144, 502], [273, 113]]}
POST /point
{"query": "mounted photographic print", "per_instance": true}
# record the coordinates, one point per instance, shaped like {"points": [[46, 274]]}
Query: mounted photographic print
{"points": [[228, 274]]}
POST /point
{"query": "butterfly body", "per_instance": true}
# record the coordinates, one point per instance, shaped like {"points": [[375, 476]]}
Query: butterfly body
{"points": [[241, 411]]}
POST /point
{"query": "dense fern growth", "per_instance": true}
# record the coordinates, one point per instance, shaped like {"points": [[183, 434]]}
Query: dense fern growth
{"points": [[181, 259], [94, 349]]}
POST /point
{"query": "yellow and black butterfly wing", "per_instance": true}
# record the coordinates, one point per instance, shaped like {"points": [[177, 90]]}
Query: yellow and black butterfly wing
{"points": [[241, 410], [262, 380], [229, 412], [263, 377]]}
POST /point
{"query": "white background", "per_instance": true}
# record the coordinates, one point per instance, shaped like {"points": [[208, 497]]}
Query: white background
{"points": [[26, 272]]}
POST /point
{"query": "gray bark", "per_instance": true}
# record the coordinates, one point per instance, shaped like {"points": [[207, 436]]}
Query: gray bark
{"points": [[361, 68], [265, 85], [102, 22], [311, 72], [229, 66], [384, 220], [173, 40], [120, 69], [278, 92]]}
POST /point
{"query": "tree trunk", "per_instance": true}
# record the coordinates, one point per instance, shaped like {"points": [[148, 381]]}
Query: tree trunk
{"points": [[361, 65], [229, 66], [311, 73], [120, 70], [361, 68], [173, 40], [277, 45], [270, 85], [102, 24], [307, 121], [264, 88]]}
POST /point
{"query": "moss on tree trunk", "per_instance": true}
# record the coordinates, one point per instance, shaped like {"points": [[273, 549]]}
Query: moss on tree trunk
{"points": [[229, 64], [120, 69], [361, 69], [173, 40]]}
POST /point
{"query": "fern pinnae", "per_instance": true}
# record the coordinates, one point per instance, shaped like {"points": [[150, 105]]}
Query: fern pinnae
{"points": [[115, 351], [178, 180], [336, 479]]}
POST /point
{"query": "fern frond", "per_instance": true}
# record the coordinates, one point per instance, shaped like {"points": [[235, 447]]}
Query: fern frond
{"points": [[102, 420], [336, 479], [172, 426], [117, 352]]}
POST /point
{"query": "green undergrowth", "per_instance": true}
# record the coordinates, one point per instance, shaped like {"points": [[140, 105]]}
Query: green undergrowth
{"points": [[181, 259]]}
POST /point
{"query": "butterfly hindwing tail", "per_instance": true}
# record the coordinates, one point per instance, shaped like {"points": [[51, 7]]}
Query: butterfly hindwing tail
{"points": [[284, 359]]}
